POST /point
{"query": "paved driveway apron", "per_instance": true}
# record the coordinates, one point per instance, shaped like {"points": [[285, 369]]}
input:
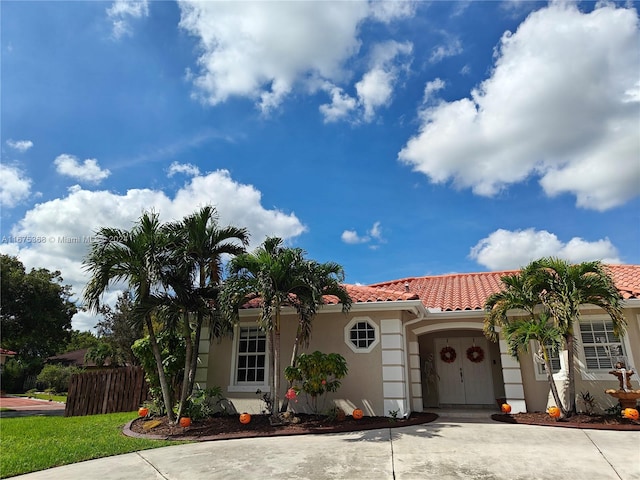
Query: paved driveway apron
{"points": [[441, 450]]}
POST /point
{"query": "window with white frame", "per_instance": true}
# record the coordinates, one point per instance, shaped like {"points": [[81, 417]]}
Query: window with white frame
{"points": [[600, 345], [250, 359], [361, 334], [554, 359]]}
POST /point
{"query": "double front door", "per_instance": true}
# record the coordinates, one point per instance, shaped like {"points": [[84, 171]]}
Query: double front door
{"points": [[464, 378]]}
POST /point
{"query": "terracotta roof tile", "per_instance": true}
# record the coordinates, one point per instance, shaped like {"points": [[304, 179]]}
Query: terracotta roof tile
{"points": [[468, 291], [459, 291]]}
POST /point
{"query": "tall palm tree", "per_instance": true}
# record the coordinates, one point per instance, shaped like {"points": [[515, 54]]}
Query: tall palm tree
{"points": [[136, 257], [537, 328], [279, 277], [560, 289], [198, 248], [320, 279], [563, 288]]}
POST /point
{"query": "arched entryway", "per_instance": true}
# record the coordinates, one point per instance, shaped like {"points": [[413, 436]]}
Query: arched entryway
{"points": [[458, 366]]}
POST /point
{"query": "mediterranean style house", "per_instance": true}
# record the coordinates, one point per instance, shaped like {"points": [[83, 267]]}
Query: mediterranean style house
{"points": [[417, 343]]}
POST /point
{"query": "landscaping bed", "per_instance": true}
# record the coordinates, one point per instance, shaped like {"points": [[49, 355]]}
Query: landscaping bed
{"points": [[229, 426], [600, 422]]}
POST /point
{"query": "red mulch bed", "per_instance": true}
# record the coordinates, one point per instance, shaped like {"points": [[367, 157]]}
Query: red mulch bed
{"points": [[598, 422], [226, 427]]}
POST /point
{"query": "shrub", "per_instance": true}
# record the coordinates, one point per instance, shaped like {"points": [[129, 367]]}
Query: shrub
{"points": [[173, 351], [56, 378], [319, 374]]}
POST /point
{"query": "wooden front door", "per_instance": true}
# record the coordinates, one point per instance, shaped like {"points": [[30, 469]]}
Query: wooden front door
{"points": [[462, 381]]}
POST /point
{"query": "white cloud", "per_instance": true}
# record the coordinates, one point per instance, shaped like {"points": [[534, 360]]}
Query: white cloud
{"points": [[340, 107], [505, 250], [87, 171], [376, 87], [122, 11], [186, 168], [451, 48], [432, 87], [559, 105], [261, 50], [67, 224], [352, 237], [14, 186], [20, 145]]}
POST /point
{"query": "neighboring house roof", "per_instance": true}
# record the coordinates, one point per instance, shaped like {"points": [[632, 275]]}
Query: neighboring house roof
{"points": [[8, 353], [469, 291], [75, 358]]}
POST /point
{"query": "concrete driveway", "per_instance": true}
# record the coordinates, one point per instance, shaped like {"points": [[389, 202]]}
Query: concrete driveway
{"points": [[22, 406], [445, 449]]}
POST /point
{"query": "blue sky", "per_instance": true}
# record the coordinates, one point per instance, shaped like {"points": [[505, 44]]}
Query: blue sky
{"points": [[398, 139]]}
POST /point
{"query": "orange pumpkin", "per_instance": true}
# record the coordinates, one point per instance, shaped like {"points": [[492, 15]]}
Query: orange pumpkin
{"points": [[143, 411], [630, 413], [554, 412], [245, 418], [185, 421], [506, 408], [358, 414]]}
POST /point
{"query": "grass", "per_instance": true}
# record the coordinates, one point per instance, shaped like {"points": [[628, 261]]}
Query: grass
{"points": [[29, 444], [44, 396]]}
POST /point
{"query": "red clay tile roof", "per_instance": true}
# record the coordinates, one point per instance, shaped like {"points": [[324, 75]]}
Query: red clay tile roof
{"points": [[459, 291], [468, 291], [7, 352]]}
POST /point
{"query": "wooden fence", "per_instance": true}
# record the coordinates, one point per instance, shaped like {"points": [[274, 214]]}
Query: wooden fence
{"points": [[106, 391]]}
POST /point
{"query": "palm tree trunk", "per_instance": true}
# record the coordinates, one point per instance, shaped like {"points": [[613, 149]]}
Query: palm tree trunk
{"points": [[294, 356], [195, 352], [166, 391], [187, 376], [552, 383], [571, 407], [275, 378]]}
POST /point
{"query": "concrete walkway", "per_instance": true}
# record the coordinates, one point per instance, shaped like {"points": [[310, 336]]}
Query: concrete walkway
{"points": [[445, 449]]}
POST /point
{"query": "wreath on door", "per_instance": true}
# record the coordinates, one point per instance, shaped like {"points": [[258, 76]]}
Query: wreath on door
{"points": [[448, 354], [475, 354]]}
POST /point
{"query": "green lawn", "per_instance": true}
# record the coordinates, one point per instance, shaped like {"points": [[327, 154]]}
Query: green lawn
{"points": [[29, 444], [44, 396]]}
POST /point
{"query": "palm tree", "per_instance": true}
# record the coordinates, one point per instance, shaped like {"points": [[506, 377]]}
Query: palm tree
{"points": [[520, 297], [198, 248], [320, 279], [563, 288], [538, 328], [136, 257], [560, 289], [279, 277]]}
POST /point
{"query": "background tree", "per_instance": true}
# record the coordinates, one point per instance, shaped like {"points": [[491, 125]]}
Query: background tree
{"points": [[35, 311], [119, 329], [79, 340]]}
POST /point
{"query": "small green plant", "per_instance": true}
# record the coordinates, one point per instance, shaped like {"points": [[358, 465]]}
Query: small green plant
{"points": [[588, 402], [615, 410], [319, 374], [393, 414], [268, 402], [206, 403], [336, 413]]}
